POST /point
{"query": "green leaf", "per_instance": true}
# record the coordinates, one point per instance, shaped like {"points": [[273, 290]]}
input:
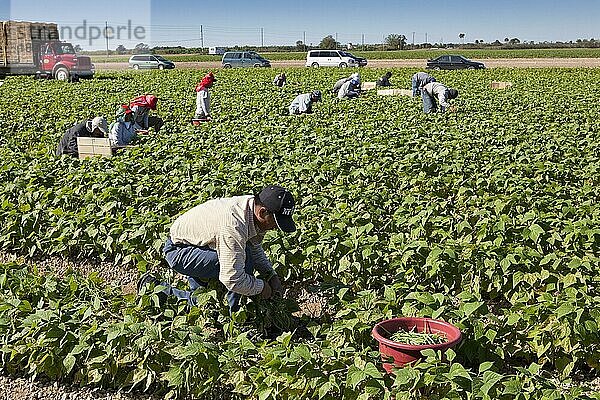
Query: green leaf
{"points": [[535, 231], [372, 371], [450, 355], [173, 376], [490, 379], [265, 393], [68, 363], [485, 366], [325, 389], [303, 352], [564, 309], [457, 370], [355, 376], [470, 308], [513, 387]]}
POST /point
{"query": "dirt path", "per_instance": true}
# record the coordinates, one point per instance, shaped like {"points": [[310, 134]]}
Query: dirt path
{"points": [[416, 63]]}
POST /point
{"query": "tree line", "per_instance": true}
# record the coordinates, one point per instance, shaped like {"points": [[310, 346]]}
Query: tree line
{"points": [[391, 42]]}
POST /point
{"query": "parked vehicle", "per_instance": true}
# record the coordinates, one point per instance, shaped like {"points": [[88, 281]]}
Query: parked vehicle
{"points": [[453, 62], [333, 58], [217, 50], [150, 61], [34, 48], [241, 59], [361, 61]]}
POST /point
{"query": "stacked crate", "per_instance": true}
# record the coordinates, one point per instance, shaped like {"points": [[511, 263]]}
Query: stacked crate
{"points": [[20, 41]]}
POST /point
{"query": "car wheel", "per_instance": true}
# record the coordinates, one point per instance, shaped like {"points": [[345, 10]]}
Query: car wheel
{"points": [[62, 74], [227, 66], [437, 68], [343, 65], [135, 66], [315, 65], [256, 65], [471, 67], [161, 67]]}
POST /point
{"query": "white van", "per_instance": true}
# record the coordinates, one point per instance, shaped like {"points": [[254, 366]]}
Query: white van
{"points": [[332, 58]]}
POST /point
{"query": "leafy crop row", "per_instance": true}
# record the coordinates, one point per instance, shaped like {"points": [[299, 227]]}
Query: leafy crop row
{"points": [[78, 330]]}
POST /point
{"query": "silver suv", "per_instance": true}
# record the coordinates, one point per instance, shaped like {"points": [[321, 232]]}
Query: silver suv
{"points": [[244, 59], [148, 61]]}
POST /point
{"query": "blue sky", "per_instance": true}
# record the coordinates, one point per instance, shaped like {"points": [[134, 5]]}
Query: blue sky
{"points": [[284, 22]]}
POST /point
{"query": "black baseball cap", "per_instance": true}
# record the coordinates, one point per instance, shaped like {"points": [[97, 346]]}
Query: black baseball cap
{"points": [[281, 203]]}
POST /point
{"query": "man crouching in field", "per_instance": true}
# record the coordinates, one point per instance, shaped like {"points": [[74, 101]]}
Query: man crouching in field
{"points": [[221, 239], [435, 90]]}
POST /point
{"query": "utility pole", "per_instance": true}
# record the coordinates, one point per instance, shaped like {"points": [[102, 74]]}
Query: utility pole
{"points": [[336, 42], [425, 37], [262, 38], [413, 42], [304, 40], [106, 34], [201, 37], [362, 41]]}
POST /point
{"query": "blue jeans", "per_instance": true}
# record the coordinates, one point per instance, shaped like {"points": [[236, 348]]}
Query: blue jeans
{"points": [[199, 264], [415, 88], [429, 104]]}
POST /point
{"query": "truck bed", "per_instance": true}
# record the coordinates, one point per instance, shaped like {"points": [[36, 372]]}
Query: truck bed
{"points": [[20, 41]]}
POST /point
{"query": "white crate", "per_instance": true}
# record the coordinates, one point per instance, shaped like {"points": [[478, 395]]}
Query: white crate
{"points": [[368, 85], [394, 92], [88, 146], [501, 85]]}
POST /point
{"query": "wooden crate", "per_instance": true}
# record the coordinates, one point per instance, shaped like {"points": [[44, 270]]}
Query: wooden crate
{"points": [[394, 92], [88, 147], [368, 85], [501, 85]]}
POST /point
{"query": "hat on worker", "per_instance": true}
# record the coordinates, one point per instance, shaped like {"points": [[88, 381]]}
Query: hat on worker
{"points": [[281, 203], [316, 95], [151, 100], [452, 93], [206, 82], [101, 124]]}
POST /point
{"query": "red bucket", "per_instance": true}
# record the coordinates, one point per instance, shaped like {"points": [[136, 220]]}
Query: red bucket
{"points": [[403, 353]]}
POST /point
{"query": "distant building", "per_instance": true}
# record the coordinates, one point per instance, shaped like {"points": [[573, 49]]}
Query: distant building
{"points": [[217, 50]]}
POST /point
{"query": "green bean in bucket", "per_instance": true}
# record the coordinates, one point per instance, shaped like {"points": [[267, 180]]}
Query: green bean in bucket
{"points": [[415, 338]]}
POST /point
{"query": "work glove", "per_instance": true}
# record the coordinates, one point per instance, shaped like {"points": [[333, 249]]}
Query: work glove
{"points": [[267, 292], [275, 284]]}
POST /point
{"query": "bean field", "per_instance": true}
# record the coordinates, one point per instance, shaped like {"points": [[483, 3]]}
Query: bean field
{"points": [[487, 217]]}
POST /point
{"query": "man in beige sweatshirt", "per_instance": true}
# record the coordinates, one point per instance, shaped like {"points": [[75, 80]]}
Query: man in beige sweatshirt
{"points": [[221, 239]]}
